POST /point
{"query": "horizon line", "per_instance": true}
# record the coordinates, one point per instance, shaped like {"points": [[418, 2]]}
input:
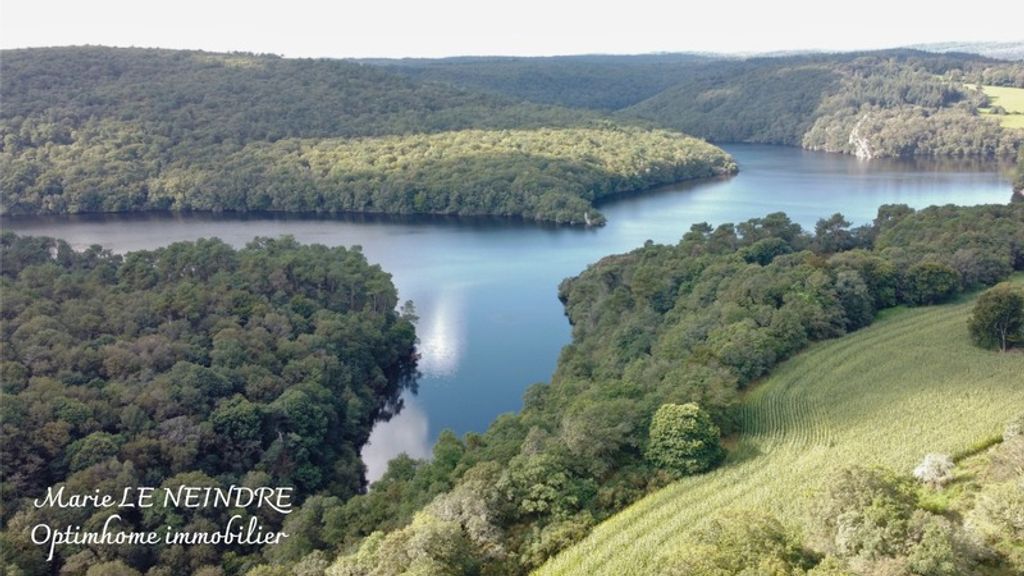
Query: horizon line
{"points": [[955, 47]]}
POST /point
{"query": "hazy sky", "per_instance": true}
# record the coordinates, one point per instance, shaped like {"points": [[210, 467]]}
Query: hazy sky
{"points": [[526, 27]]}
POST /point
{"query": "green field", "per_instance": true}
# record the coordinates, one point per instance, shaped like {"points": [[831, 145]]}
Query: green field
{"points": [[909, 384], [1011, 99]]}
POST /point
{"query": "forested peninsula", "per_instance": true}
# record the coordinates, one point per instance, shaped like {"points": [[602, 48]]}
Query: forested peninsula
{"points": [[121, 130], [197, 365]]}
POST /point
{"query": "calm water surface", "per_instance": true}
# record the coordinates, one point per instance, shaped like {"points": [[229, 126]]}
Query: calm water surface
{"points": [[490, 323]]}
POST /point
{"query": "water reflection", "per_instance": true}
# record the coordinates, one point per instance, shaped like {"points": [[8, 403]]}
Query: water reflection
{"points": [[407, 432], [441, 332]]}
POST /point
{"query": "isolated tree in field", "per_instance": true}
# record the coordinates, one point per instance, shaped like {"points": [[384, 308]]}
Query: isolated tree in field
{"points": [[684, 440], [998, 317]]}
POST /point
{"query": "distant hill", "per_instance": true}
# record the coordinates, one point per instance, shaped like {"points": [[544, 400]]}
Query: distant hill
{"points": [[760, 100], [239, 98], [899, 102], [895, 103], [93, 129], [1001, 50], [601, 82]]}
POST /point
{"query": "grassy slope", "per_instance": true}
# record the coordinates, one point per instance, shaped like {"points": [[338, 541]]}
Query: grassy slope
{"points": [[1012, 99], [907, 385]]}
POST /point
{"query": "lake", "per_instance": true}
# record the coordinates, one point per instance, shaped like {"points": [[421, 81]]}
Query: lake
{"points": [[485, 290]]}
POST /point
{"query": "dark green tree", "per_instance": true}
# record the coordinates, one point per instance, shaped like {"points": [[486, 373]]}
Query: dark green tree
{"points": [[833, 234], [684, 440], [764, 251], [930, 283]]}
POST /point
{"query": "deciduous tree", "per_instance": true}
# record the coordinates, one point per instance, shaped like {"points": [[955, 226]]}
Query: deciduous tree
{"points": [[684, 440], [998, 317]]}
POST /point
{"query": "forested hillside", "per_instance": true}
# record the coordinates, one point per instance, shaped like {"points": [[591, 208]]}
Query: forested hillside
{"points": [[110, 130], [895, 103], [845, 466], [599, 82], [195, 364], [694, 323], [113, 130], [198, 98], [759, 101]]}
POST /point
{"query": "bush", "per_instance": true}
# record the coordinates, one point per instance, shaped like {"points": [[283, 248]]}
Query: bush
{"points": [[998, 513], [935, 471], [743, 543], [863, 512], [938, 547]]}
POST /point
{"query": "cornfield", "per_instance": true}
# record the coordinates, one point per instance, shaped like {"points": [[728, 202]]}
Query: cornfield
{"points": [[910, 384]]}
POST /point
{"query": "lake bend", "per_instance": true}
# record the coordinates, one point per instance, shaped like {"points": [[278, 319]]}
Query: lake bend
{"points": [[485, 290]]}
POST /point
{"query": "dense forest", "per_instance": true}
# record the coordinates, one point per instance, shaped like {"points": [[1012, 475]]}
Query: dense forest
{"points": [[197, 98], [195, 364], [885, 105], [95, 129], [758, 101], [684, 325], [886, 109], [115, 130], [898, 104], [604, 82], [553, 175], [895, 103]]}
